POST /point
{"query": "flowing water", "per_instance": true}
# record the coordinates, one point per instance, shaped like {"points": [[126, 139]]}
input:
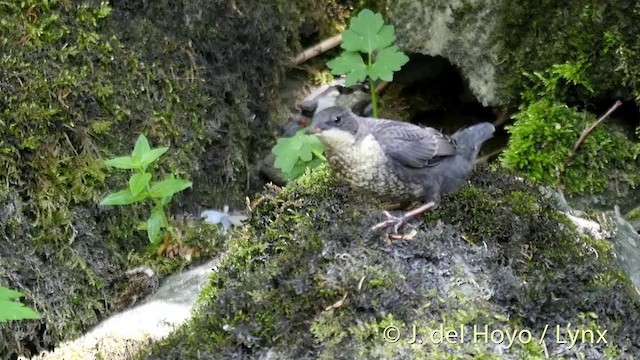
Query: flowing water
{"points": [[121, 335]]}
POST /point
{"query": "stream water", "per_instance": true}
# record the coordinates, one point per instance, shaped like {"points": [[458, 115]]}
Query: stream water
{"points": [[152, 320]]}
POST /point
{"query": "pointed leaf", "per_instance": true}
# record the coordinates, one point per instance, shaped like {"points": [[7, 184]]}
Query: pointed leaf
{"points": [[166, 200], [151, 155], [123, 162], [156, 222], [141, 147], [168, 187], [123, 197], [138, 182]]}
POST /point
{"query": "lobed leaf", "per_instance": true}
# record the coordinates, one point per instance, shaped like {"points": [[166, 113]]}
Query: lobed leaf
{"points": [[367, 33], [387, 62], [297, 153], [11, 309]]}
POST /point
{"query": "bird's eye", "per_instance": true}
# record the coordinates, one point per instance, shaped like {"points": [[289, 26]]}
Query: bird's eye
{"points": [[337, 120]]}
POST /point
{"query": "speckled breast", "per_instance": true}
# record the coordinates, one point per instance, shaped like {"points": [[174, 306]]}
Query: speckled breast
{"points": [[365, 167]]}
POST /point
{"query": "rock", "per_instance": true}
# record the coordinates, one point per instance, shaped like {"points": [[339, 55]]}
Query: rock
{"points": [[494, 42], [306, 280], [627, 246], [435, 29], [634, 218]]}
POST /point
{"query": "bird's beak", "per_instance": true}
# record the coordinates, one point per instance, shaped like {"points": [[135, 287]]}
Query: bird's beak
{"points": [[312, 130]]}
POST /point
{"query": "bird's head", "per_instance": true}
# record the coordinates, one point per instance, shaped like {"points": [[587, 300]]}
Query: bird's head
{"points": [[335, 126]]}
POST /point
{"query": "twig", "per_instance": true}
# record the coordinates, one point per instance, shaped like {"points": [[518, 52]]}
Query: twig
{"points": [[316, 50], [381, 87], [486, 158], [588, 130], [503, 117]]}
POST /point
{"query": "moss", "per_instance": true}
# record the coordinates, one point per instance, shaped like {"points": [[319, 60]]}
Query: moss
{"points": [[546, 130], [194, 242], [533, 36], [80, 81], [305, 279]]}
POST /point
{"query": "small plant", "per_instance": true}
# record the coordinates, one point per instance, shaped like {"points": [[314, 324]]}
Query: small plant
{"points": [[10, 309], [297, 153], [142, 188], [544, 138], [367, 34]]}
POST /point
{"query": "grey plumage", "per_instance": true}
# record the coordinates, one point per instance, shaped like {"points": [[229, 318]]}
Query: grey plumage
{"points": [[396, 160]]}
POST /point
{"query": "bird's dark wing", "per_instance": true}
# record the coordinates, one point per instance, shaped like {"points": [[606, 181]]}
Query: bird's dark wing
{"points": [[412, 145]]}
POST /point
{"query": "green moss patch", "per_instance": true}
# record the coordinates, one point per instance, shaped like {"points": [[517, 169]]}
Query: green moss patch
{"points": [[79, 81], [307, 280], [533, 36]]}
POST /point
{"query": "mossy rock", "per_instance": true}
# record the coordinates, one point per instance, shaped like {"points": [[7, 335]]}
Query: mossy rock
{"points": [[495, 42], [307, 280], [79, 81]]}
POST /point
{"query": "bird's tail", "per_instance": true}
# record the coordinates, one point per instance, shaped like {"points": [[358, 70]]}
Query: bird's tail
{"points": [[469, 140]]}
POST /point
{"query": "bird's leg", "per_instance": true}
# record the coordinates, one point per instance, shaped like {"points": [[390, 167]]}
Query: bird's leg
{"points": [[398, 221]]}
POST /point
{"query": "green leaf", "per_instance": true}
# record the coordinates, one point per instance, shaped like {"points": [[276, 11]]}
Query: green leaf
{"points": [[349, 63], [123, 162], [141, 147], [301, 167], [387, 62], [138, 182], [123, 197], [10, 309], [286, 152], [367, 33], [293, 154], [157, 220], [166, 200], [151, 155], [168, 187]]}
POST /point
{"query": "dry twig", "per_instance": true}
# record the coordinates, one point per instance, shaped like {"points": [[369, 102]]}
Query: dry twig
{"points": [[316, 50], [588, 130]]}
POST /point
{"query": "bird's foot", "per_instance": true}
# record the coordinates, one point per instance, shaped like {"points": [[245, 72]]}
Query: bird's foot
{"points": [[391, 220]]}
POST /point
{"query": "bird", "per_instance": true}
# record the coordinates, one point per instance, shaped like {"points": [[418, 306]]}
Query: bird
{"points": [[396, 160]]}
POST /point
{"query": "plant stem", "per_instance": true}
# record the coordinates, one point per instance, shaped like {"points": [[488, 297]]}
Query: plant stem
{"points": [[372, 89], [373, 98]]}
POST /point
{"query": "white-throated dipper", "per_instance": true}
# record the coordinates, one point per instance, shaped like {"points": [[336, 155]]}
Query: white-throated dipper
{"points": [[396, 160]]}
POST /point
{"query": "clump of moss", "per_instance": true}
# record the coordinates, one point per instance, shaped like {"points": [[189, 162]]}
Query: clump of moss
{"points": [[306, 280], [543, 137], [546, 130], [77, 81], [533, 36]]}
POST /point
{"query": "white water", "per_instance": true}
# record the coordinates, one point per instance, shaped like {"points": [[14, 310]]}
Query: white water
{"points": [[152, 320]]}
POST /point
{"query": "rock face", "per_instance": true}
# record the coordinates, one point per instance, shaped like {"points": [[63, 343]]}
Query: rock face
{"points": [[305, 280], [436, 28], [494, 42], [83, 79]]}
